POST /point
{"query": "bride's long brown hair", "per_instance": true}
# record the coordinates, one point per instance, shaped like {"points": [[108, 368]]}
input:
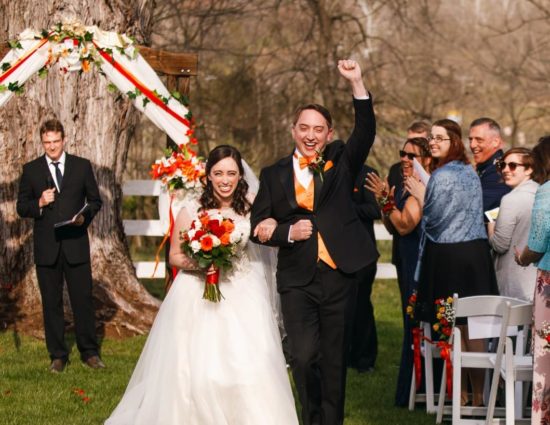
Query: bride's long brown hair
{"points": [[208, 200]]}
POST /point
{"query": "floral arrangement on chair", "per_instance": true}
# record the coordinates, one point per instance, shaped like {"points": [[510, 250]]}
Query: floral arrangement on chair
{"points": [[445, 315], [416, 332], [445, 318]]}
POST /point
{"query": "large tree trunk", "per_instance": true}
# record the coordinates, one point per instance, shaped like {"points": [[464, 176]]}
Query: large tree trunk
{"points": [[98, 127]]}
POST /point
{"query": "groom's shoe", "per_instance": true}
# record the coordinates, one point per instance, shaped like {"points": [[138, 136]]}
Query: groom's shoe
{"points": [[94, 362], [57, 365]]}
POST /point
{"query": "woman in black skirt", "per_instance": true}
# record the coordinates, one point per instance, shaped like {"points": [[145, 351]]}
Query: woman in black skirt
{"points": [[454, 252]]}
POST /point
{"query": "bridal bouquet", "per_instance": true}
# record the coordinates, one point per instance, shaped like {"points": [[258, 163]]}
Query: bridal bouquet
{"points": [[212, 241]]}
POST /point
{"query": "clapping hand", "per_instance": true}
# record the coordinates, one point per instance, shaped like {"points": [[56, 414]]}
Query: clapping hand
{"points": [[377, 186], [416, 188]]}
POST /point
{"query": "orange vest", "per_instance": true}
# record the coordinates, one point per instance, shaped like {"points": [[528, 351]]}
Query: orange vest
{"points": [[304, 198]]}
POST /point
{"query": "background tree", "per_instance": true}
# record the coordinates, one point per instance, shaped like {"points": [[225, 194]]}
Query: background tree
{"points": [[99, 127]]}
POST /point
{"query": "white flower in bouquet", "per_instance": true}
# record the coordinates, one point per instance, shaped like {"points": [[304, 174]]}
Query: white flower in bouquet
{"points": [[236, 236], [195, 246], [215, 241]]}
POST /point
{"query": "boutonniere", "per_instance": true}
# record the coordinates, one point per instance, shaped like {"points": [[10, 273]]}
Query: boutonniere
{"points": [[317, 164]]}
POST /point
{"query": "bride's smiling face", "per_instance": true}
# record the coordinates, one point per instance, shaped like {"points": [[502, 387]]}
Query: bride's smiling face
{"points": [[224, 177]]}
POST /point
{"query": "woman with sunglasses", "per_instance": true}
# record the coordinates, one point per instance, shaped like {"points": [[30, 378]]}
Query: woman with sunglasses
{"points": [[454, 253], [401, 215], [538, 251], [512, 225]]}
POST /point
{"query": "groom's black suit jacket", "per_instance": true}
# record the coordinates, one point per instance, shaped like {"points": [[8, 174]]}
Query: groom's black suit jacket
{"points": [[79, 186], [334, 214]]}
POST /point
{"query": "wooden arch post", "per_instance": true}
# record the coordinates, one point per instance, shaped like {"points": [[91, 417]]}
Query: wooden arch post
{"points": [[178, 69]]}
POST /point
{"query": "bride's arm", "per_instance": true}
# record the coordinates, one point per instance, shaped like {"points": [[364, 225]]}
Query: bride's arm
{"points": [[177, 257]]}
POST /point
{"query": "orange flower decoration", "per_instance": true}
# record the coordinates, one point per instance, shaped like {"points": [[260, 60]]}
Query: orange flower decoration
{"points": [[206, 243], [225, 239], [228, 225]]}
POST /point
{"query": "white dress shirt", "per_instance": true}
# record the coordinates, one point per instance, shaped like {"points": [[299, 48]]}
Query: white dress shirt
{"points": [[303, 175], [52, 168]]}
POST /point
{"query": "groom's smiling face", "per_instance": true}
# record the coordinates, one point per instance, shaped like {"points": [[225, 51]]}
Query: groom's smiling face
{"points": [[311, 132]]}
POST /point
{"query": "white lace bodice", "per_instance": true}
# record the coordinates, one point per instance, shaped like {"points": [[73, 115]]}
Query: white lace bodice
{"points": [[241, 262]]}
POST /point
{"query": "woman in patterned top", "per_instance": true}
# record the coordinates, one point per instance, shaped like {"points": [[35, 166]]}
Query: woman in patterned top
{"points": [[538, 250]]}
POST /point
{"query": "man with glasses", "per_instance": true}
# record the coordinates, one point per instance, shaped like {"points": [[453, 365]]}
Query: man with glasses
{"points": [[486, 145], [61, 188]]}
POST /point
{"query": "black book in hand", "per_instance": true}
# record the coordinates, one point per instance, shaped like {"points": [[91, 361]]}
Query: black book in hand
{"points": [[72, 220]]}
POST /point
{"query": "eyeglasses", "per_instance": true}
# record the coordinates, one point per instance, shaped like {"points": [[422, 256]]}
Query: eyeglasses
{"points": [[409, 155], [437, 139], [501, 165]]}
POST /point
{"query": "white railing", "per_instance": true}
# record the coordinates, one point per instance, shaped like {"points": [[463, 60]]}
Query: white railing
{"points": [[144, 269]]}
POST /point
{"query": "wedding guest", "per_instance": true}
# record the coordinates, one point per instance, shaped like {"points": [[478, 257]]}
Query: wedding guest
{"points": [[538, 250], [210, 362], [486, 145], [305, 207], [395, 179], [402, 217], [511, 228], [364, 340], [54, 188], [454, 252]]}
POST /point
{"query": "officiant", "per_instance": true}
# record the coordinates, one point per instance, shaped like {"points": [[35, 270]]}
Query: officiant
{"points": [[54, 188]]}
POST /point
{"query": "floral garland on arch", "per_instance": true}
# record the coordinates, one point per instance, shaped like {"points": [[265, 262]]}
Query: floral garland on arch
{"points": [[73, 47]]}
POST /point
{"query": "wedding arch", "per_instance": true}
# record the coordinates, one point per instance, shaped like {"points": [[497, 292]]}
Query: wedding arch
{"points": [[77, 48], [72, 48]]}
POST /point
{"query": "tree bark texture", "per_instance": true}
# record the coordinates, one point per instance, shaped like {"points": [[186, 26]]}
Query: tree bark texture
{"points": [[99, 127]]}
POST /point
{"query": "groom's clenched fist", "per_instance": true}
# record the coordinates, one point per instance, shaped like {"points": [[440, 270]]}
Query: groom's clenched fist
{"points": [[301, 230]]}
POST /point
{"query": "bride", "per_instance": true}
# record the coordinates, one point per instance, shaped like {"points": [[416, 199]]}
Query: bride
{"points": [[213, 363]]}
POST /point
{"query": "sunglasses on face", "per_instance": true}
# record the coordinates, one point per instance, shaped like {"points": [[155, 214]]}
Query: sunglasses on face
{"points": [[501, 165], [409, 155]]}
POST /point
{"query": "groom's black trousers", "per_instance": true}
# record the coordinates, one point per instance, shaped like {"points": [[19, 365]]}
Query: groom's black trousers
{"points": [[317, 319]]}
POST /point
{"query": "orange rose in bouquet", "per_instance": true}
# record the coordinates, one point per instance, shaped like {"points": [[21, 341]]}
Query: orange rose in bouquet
{"points": [[212, 241]]}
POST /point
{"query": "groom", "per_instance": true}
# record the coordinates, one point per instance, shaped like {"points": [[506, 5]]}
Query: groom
{"points": [[304, 206]]}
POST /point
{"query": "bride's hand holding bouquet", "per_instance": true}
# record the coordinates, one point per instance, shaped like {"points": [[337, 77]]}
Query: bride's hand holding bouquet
{"points": [[212, 241]]}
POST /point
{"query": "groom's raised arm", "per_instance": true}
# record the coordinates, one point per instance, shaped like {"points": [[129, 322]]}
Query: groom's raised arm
{"points": [[364, 131]]}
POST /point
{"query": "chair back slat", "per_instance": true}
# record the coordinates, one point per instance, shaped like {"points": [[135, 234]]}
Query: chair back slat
{"points": [[482, 305]]}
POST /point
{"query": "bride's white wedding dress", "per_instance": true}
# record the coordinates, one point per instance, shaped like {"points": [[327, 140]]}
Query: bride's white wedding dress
{"points": [[208, 363]]}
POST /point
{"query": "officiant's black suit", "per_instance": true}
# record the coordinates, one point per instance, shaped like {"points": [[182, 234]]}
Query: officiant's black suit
{"points": [[63, 252], [317, 301]]}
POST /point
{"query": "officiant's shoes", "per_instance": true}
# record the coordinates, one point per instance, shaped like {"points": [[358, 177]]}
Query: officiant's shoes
{"points": [[57, 365], [94, 362]]}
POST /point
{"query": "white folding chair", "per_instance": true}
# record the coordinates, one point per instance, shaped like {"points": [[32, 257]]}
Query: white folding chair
{"points": [[512, 366], [470, 307], [429, 352]]}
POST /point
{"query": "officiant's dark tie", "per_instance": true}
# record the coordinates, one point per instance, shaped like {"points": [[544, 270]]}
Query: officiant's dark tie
{"points": [[58, 175]]}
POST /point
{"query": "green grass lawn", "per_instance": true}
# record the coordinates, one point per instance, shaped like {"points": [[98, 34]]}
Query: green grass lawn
{"points": [[29, 394]]}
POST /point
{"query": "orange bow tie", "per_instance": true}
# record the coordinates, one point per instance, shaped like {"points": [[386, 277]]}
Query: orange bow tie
{"points": [[304, 161]]}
